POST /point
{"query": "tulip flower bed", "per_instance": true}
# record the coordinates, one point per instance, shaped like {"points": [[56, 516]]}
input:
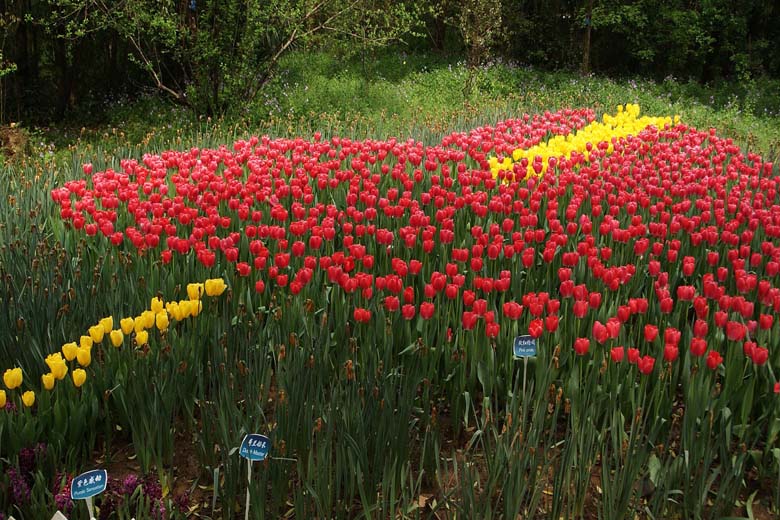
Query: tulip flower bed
{"points": [[374, 291]]}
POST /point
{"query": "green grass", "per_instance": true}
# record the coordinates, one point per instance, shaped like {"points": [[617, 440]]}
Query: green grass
{"points": [[398, 94]]}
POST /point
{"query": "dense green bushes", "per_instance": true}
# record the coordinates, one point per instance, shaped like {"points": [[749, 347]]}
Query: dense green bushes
{"points": [[58, 56]]}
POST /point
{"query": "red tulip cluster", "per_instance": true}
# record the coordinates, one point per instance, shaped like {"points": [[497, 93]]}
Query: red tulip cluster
{"points": [[675, 230]]}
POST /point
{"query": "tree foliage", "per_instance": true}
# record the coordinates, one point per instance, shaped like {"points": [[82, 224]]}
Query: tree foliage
{"points": [[214, 55]]}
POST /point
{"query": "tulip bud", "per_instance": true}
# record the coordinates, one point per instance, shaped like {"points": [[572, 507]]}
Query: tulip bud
{"points": [[126, 325], [59, 370], [28, 398], [141, 337], [117, 337], [139, 323], [161, 320], [48, 381], [148, 318], [107, 324], [215, 286], [79, 376], [156, 305], [12, 378], [69, 351], [84, 357], [195, 291], [96, 333], [2, 399]]}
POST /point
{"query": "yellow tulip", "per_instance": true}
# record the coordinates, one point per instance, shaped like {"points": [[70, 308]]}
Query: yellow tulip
{"points": [[28, 398], [85, 342], [59, 370], [139, 323], [2, 398], [215, 286], [53, 360], [148, 317], [127, 325], [48, 381], [79, 376], [194, 291], [84, 357], [175, 312], [117, 337], [185, 308], [107, 323], [69, 351], [161, 320], [141, 337], [96, 333], [196, 307], [57, 365], [157, 305], [12, 378]]}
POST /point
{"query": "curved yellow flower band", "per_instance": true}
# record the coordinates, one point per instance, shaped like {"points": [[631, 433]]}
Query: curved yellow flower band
{"points": [[158, 315], [624, 123]]}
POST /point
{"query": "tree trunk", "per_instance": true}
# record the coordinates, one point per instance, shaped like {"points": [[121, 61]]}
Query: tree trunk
{"points": [[63, 79], [585, 68]]}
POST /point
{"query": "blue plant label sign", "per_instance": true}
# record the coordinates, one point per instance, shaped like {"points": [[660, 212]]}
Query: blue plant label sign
{"points": [[88, 484], [525, 346], [255, 447]]}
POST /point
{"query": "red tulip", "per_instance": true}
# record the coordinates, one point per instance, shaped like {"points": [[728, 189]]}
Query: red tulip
{"points": [[580, 309], [735, 331], [581, 346], [646, 364], [651, 332], [469, 320], [600, 332], [765, 321], [613, 327], [714, 359], [698, 346], [686, 292], [243, 269], [760, 356], [551, 323], [617, 354], [492, 330], [700, 328], [670, 352], [426, 310], [721, 318], [535, 328], [392, 303], [361, 315]]}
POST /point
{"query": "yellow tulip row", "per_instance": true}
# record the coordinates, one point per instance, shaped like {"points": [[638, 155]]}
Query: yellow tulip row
{"points": [[158, 315], [626, 122]]}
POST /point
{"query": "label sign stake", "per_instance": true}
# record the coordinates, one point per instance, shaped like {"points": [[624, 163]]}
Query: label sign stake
{"points": [[87, 485], [254, 448], [524, 347]]}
